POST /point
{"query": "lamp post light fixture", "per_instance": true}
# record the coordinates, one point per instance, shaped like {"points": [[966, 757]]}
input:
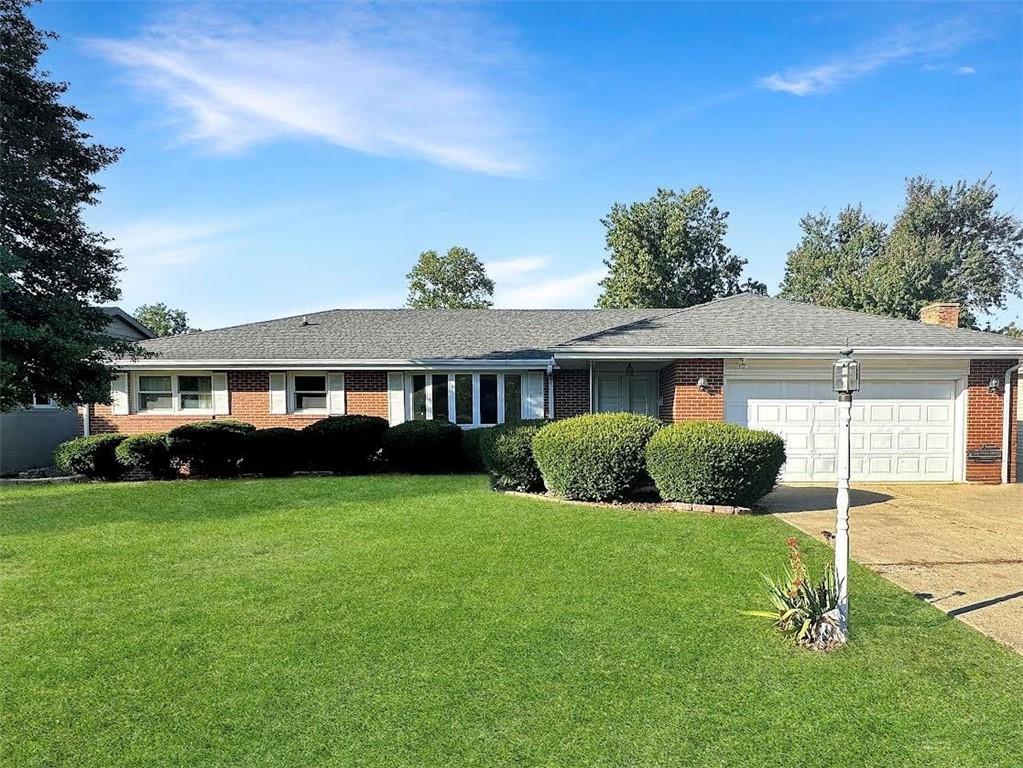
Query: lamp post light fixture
{"points": [[845, 381]]}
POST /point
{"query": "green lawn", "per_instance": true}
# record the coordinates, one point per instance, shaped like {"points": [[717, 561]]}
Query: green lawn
{"points": [[400, 621]]}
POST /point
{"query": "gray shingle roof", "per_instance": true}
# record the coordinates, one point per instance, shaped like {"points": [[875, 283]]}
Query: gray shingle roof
{"points": [[739, 322]]}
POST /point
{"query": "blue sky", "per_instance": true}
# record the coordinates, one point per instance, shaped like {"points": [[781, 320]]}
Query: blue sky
{"points": [[288, 158]]}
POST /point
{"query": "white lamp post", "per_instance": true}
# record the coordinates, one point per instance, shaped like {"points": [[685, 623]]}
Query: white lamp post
{"points": [[845, 381]]}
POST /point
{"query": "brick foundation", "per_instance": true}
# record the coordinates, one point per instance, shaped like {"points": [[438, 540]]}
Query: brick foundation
{"points": [[682, 400], [984, 422]]}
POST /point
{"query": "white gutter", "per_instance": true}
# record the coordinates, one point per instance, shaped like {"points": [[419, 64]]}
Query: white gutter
{"points": [[639, 353], [1006, 412], [278, 364], [86, 425]]}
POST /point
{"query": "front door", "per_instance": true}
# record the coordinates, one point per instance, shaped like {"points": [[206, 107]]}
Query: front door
{"points": [[621, 392]]}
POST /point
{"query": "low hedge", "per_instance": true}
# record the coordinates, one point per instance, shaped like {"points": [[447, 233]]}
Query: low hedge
{"points": [[210, 448], [92, 456], [597, 457], [274, 452], [706, 462], [507, 454], [146, 452], [471, 457], [345, 444], [424, 447]]}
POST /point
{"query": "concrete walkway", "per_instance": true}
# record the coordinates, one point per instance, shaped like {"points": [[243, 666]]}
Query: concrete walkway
{"points": [[959, 547]]}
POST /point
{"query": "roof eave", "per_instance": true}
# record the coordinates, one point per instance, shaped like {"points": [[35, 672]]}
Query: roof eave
{"points": [[612, 353]]}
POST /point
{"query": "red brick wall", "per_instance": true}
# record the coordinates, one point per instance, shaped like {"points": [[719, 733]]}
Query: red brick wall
{"points": [[984, 423], [249, 398], [571, 392], [682, 400]]}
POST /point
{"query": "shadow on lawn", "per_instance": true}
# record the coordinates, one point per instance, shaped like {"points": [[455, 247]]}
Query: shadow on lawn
{"points": [[76, 507]]}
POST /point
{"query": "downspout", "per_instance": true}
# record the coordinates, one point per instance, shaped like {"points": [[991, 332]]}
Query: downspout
{"points": [[1006, 412], [85, 420], [550, 388]]}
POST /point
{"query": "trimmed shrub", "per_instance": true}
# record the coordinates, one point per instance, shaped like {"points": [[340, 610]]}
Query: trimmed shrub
{"points": [[274, 452], [424, 446], [146, 452], [345, 444], [710, 462], [473, 461], [211, 448], [92, 456], [596, 457], [507, 454]]}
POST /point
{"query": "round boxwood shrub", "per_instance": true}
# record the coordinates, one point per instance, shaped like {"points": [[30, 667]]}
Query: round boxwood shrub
{"points": [[424, 446], [146, 452], [471, 457], [708, 462], [597, 457], [92, 456], [210, 448], [274, 452], [345, 444], [507, 454]]}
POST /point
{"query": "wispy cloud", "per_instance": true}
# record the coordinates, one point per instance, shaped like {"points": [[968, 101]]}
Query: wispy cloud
{"points": [[514, 269], [578, 290], [399, 81], [966, 70], [905, 44], [158, 243]]}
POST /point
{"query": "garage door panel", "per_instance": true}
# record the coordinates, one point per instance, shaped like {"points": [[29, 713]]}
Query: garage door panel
{"points": [[902, 430]]}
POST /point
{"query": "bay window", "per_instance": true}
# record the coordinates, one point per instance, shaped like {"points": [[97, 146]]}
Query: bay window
{"points": [[473, 399]]}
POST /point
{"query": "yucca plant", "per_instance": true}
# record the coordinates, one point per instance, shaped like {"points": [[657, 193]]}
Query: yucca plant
{"points": [[805, 609]]}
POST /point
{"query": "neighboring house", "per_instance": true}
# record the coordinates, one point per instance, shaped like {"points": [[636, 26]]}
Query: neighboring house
{"points": [[29, 435], [930, 409]]}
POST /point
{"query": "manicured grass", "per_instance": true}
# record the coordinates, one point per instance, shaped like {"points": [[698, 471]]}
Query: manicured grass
{"points": [[400, 621]]}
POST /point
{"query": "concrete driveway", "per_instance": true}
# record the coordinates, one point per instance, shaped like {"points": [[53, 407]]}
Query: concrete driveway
{"points": [[959, 547]]}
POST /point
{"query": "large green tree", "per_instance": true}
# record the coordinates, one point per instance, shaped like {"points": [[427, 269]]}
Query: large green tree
{"points": [[947, 243], [669, 251], [163, 320], [828, 265], [54, 268], [454, 280]]}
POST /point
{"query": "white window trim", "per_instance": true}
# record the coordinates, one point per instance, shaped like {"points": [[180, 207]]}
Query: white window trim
{"points": [[452, 414], [49, 405], [292, 375], [175, 409]]}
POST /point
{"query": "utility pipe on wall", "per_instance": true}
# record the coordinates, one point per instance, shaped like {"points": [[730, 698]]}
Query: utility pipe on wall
{"points": [[1006, 412]]}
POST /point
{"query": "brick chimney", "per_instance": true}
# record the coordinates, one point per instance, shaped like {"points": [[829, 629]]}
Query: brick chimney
{"points": [[940, 313]]}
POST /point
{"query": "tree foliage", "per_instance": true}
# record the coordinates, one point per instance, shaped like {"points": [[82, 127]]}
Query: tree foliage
{"points": [[669, 251], [54, 268], [162, 320], [948, 243], [455, 280]]}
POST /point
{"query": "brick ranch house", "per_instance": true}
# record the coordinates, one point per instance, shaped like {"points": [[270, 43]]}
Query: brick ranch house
{"points": [[937, 402]]}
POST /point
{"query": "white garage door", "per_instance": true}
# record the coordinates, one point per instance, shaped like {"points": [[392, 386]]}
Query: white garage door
{"points": [[901, 430]]}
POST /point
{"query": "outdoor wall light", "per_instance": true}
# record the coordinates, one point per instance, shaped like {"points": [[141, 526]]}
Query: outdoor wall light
{"points": [[994, 386], [628, 369], [702, 385]]}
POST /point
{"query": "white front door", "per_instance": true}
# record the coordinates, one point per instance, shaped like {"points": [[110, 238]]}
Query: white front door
{"points": [[901, 430]]}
